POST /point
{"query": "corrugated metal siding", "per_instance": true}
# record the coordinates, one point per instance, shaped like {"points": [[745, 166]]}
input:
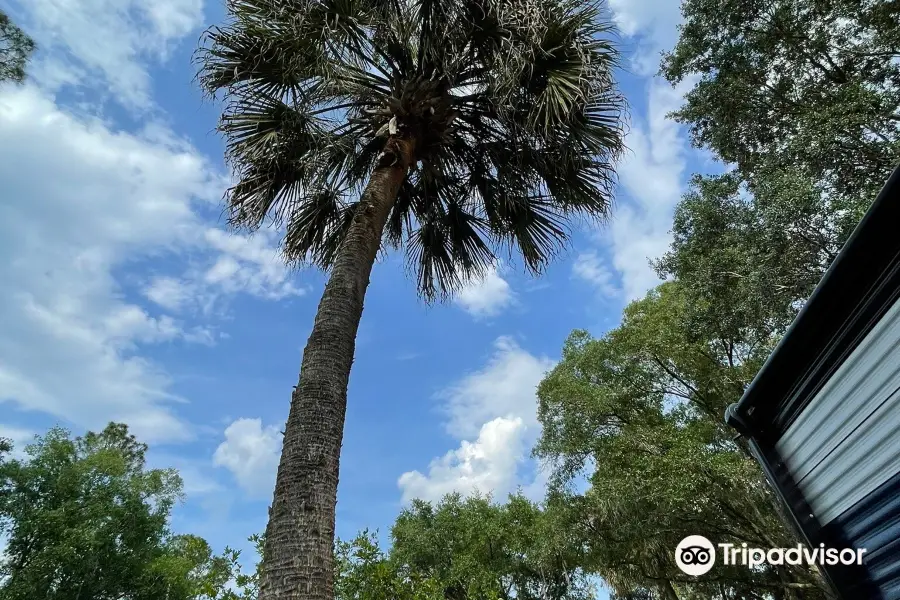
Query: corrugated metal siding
{"points": [[845, 444], [874, 524]]}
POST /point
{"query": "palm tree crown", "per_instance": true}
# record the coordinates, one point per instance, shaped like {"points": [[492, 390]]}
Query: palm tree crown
{"points": [[510, 105]]}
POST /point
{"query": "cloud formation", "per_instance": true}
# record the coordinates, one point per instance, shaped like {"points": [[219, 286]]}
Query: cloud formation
{"points": [[590, 268], [652, 24], [487, 297], [251, 452], [107, 42], [234, 264], [493, 412], [83, 200], [487, 464], [651, 181]]}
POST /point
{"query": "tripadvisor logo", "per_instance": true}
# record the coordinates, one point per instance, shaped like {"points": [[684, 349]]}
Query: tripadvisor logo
{"points": [[696, 555]]}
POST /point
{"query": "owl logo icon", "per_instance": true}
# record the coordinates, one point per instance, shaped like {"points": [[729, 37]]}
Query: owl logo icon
{"points": [[695, 555]]}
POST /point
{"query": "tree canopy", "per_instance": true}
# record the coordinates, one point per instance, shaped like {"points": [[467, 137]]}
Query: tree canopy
{"points": [[800, 100], [86, 520], [807, 86], [641, 409], [482, 549], [466, 549], [15, 49], [748, 260]]}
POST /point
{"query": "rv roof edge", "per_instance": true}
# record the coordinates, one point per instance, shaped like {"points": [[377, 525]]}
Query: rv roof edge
{"points": [[735, 420]]}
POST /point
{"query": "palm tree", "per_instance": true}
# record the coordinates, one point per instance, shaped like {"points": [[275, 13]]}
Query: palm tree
{"points": [[455, 129]]}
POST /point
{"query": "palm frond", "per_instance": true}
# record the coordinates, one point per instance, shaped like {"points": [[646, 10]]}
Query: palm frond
{"points": [[513, 103]]}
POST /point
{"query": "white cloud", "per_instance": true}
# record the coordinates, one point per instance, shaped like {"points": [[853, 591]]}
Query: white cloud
{"points": [[241, 264], [652, 174], [486, 465], [168, 292], [251, 452], [505, 387], [78, 198], [493, 412], [589, 267], [486, 297], [250, 264], [653, 22], [171, 19], [109, 40], [81, 201]]}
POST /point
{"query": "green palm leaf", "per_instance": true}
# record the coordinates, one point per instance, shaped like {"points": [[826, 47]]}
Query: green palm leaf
{"points": [[517, 117]]}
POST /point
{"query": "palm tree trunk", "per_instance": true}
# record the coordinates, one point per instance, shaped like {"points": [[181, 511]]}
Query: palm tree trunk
{"points": [[298, 559]]}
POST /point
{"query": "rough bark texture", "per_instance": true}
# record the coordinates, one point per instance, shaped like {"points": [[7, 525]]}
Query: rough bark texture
{"points": [[298, 560]]}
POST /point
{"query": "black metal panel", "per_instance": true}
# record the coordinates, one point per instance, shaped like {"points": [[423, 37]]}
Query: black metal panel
{"points": [[874, 524], [872, 306], [851, 582]]}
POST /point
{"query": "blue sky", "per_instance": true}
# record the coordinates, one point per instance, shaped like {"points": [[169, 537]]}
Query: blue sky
{"points": [[125, 298]]}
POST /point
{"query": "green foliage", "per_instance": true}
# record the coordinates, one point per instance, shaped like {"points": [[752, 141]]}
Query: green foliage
{"points": [[482, 550], [511, 109], [364, 572], [642, 408], [802, 97], [248, 583], [638, 594], [187, 568], [15, 49], [465, 549], [747, 260], [809, 86], [86, 520]]}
